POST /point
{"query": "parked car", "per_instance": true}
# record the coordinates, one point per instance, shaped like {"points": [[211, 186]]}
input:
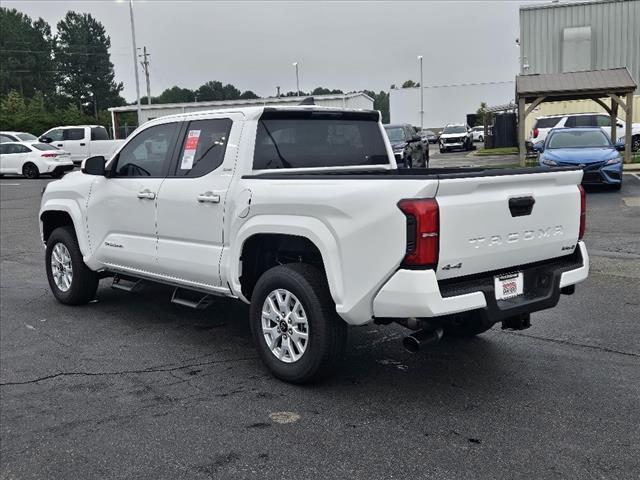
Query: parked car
{"points": [[407, 145], [456, 135], [302, 213], [33, 159], [588, 148], [543, 125], [429, 135], [82, 141], [478, 134], [17, 137]]}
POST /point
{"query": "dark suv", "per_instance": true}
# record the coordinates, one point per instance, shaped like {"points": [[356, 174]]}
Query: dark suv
{"points": [[407, 145]]}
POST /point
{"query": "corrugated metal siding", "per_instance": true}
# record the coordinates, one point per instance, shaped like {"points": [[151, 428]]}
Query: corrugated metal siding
{"points": [[615, 34]]}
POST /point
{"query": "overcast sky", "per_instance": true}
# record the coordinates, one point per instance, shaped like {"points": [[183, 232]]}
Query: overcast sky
{"points": [[346, 45]]}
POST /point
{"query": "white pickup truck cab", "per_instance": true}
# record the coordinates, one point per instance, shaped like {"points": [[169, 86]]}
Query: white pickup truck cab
{"points": [[302, 213], [82, 141]]}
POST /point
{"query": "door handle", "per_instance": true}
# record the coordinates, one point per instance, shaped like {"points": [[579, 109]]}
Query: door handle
{"points": [[82, 144], [146, 195], [59, 145], [208, 197]]}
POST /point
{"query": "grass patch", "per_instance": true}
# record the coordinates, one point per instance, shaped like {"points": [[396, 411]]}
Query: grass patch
{"points": [[497, 151], [635, 157]]}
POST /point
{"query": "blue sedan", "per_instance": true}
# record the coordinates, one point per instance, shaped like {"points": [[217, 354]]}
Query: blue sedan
{"points": [[589, 148]]}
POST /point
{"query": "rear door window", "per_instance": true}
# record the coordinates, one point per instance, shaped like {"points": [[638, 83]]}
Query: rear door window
{"points": [[581, 121], [203, 147], [317, 139], [73, 134], [547, 122], [603, 121], [99, 133]]}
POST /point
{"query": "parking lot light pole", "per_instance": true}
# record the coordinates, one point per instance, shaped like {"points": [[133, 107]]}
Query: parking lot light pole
{"points": [[295, 64], [421, 96]]}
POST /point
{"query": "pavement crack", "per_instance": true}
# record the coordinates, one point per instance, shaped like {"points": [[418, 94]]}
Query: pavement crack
{"points": [[125, 372], [576, 344]]}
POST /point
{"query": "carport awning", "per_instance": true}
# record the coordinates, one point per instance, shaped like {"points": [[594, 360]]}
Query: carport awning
{"points": [[575, 85]]}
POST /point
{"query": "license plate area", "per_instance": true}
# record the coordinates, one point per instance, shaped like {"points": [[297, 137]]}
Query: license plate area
{"points": [[509, 285]]}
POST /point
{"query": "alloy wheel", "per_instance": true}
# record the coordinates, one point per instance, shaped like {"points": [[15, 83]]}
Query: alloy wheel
{"points": [[285, 327]]}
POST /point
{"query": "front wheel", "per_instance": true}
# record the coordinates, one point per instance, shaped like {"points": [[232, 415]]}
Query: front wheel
{"points": [[294, 325], [70, 280]]}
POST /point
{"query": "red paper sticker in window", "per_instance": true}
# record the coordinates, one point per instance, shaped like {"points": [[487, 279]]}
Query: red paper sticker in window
{"points": [[190, 147]]}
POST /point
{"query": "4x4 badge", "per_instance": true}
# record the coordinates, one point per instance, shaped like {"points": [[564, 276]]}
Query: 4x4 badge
{"points": [[450, 267]]}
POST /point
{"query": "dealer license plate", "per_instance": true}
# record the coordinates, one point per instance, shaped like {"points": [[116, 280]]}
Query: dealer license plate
{"points": [[509, 286]]}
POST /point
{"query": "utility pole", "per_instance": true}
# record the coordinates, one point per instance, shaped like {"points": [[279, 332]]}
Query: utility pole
{"points": [[145, 66], [421, 96], [135, 60], [295, 64]]}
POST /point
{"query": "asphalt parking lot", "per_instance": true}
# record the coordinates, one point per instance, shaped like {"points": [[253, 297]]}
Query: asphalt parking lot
{"points": [[132, 386]]}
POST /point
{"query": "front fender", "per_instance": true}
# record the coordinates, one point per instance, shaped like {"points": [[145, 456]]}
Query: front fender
{"points": [[310, 228], [72, 208]]}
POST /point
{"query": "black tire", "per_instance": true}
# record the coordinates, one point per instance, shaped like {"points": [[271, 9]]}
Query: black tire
{"points": [[327, 331], [57, 174], [616, 186], [481, 139], [84, 282], [442, 150], [408, 163], [30, 171], [465, 325], [635, 143]]}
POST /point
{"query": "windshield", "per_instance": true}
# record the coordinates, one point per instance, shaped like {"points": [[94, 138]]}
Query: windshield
{"points": [[455, 129], [579, 139], [395, 134], [43, 146], [26, 137]]}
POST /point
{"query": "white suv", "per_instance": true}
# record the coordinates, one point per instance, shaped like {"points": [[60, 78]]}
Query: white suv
{"points": [[543, 125]]}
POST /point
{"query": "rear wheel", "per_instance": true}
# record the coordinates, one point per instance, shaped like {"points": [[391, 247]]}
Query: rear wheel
{"points": [[57, 174], [635, 143], [466, 325], [70, 280], [481, 139], [294, 325], [30, 170]]}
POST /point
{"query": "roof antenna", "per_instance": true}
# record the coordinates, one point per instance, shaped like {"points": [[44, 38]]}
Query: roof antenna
{"points": [[308, 101]]}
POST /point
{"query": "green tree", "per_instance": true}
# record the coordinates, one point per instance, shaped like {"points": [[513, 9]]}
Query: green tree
{"points": [[214, 90], [480, 113], [410, 84], [175, 94], [325, 91], [248, 95], [381, 103], [86, 76], [26, 62]]}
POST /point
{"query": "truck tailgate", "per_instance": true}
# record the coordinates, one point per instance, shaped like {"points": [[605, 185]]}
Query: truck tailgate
{"points": [[494, 222]]}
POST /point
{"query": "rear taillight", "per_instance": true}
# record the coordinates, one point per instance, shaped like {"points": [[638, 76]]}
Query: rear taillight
{"points": [[583, 213], [49, 155], [423, 225], [535, 133]]}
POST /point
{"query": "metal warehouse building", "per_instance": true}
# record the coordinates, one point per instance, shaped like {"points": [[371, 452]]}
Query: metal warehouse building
{"points": [[356, 100], [567, 37]]}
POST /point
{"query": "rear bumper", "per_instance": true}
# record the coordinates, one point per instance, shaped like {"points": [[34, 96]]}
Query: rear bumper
{"points": [[417, 293], [61, 169]]}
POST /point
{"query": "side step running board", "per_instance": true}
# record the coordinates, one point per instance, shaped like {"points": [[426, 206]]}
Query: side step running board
{"points": [[191, 299], [127, 284]]}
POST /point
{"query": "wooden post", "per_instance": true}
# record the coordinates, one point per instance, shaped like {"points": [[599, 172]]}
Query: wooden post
{"points": [[628, 143], [522, 115], [614, 120]]}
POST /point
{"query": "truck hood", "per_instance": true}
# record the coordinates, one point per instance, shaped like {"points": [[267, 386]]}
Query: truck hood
{"points": [[398, 145], [580, 155]]}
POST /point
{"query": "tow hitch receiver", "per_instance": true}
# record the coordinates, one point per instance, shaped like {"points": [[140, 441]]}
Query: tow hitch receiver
{"points": [[517, 322]]}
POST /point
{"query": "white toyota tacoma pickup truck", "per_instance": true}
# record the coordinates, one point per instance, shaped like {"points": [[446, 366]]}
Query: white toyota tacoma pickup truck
{"points": [[302, 213]]}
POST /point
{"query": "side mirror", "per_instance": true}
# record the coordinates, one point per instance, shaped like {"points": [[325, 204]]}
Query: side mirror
{"points": [[538, 147], [620, 125], [94, 165], [44, 139], [620, 146], [415, 138]]}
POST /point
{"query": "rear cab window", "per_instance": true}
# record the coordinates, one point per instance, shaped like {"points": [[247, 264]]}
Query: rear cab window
{"points": [[314, 139]]}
